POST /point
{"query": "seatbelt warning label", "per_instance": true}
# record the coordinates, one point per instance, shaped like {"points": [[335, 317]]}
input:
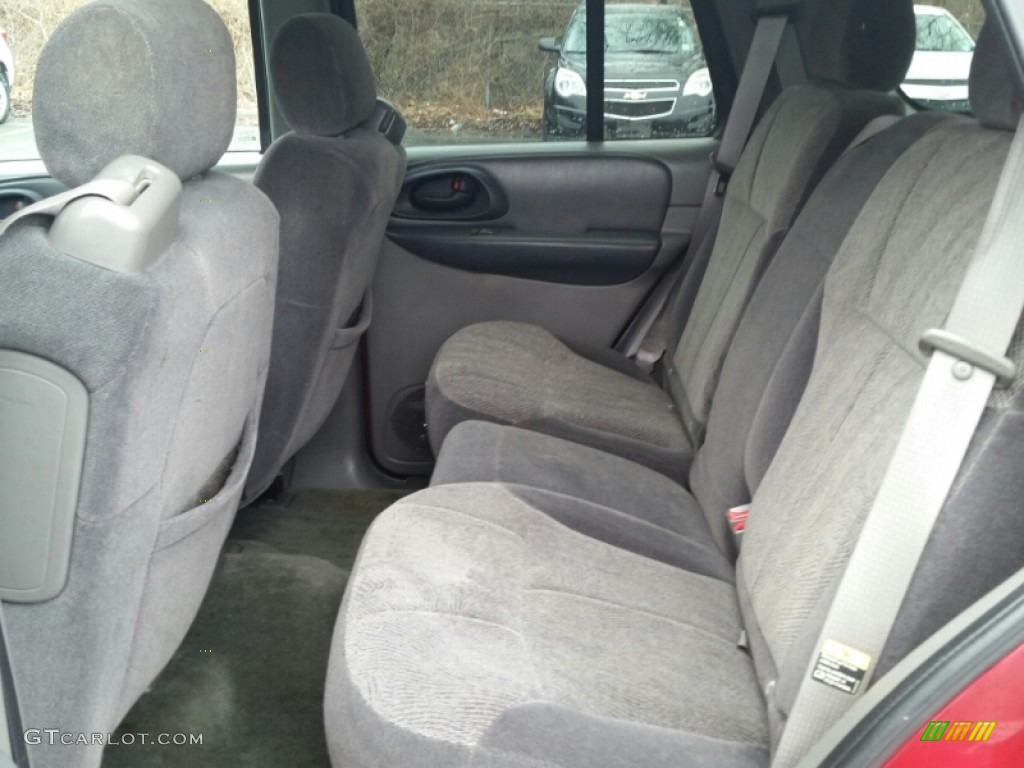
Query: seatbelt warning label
{"points": [[841, 667]]}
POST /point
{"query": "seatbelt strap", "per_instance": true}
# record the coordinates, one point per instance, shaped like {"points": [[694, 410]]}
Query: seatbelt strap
{"points": [[872, 129], [763, 50], [967, 361], [647, 337], [789, 61], [120, 192]]}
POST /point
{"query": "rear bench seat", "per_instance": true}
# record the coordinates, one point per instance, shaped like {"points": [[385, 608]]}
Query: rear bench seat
{"points": [[515, 373], [762, 379], [479, 630]]}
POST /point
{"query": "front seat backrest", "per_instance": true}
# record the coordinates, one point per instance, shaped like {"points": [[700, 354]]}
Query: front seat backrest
{"points": [[334, 180], [172, 357]]}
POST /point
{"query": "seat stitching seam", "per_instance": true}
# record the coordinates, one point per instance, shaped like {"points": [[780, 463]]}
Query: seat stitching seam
{"points": [[889, 334], [471, 516], [618, 513], [680, 622], [521, 758], [538, 677], [761, 152], [897, 219], [704, 333], [433, 612]]}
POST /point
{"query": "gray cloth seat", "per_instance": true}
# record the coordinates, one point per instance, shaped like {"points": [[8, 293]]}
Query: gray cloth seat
{"points": [[482, 627], [173, 357], [514, 622], [334, 180], [515, 374], [482, 451], [521, 374], [762, 378]]}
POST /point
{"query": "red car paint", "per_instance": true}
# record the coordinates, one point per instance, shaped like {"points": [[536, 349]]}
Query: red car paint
{"points": [[996, 696]]}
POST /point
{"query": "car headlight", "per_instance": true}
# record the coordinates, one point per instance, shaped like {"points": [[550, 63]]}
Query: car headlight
{"points": [[569, 83], [699, 84]]}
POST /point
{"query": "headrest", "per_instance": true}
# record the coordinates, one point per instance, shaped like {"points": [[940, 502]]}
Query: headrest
{"points": [[862, 44], [135, 77], [322, 77], [995, 96]]}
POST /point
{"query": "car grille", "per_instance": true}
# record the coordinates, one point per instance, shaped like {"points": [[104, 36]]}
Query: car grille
{"points": [[642, 85], [639, 99], [638, 110]]}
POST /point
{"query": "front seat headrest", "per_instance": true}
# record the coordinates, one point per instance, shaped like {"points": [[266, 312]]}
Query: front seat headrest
{"points": [[862, 44], [135, 77], [321, 75], [995, 96]]}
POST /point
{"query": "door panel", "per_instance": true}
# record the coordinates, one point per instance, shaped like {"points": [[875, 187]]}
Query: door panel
{"points": [[572, 239], [598, 257], [568, 224]]}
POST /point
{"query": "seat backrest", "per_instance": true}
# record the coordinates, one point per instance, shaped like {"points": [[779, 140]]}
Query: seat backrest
{"points": [[334, 179], [895, 276], [771, 354], [172, 357], [803, 133]]}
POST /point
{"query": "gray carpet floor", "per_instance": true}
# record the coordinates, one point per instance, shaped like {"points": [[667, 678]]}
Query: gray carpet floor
{"points": [[250, 674]]}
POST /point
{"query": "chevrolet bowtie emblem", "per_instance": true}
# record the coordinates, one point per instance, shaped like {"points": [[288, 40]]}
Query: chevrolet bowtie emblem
{"points": [[634, 95]]}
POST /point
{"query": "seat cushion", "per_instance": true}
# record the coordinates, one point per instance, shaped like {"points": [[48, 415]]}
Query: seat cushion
{"points": [[480, 451], [521, 374], [478, 631]]}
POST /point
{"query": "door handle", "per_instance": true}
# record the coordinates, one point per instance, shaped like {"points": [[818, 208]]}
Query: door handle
{"points": [[448, 193]]}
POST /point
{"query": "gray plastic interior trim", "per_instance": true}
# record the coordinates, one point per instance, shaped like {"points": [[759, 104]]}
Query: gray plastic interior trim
{"points": [[337, 456], [122, 237], [44, 414], [389, 122], [596, 257]]}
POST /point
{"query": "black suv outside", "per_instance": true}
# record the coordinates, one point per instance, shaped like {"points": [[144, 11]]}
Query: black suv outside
{"points": [[656, 80]]}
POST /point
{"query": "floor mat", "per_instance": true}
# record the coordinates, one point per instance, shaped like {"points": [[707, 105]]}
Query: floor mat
{"points": [[250, 674]]}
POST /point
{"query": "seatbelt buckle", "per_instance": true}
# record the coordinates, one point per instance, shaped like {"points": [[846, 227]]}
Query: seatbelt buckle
{"points": [[969, 356], [648, 356], [737, 517]]}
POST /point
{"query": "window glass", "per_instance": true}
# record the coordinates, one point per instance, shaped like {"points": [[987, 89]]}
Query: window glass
{"points": [[25, 25], [941, 67], [937, 32], [479, 71], [657, 83], [635, 32]]}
